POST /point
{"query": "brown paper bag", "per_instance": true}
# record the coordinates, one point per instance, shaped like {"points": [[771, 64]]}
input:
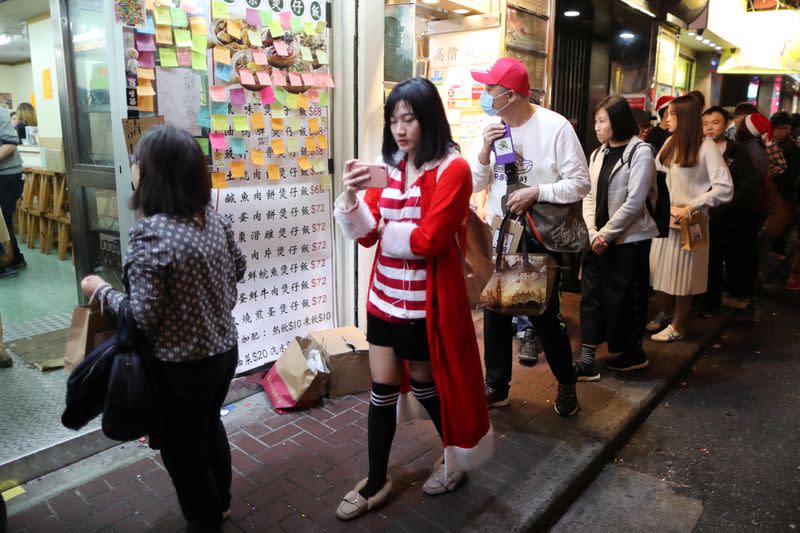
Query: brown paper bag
{"points": [[88, 329], [298, 378], [694, 232]]}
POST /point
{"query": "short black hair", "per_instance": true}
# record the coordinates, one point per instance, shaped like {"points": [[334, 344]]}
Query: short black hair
{"points": [[744, 108], [717, 109], [623, 125], [173, 176], [423, 99], [781, 118], [700, 97], [12, 113]]}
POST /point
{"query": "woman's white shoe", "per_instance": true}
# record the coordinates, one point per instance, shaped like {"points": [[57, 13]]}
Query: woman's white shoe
{"points": [[668, 334], [440, 482]]}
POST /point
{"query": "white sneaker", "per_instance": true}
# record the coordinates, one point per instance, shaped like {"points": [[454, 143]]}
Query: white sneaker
{"points": [[668, 334], [440, 482], [658, 323]]}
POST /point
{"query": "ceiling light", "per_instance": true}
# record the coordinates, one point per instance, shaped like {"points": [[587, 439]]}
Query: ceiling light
{"points": [[691, 34], [4, 39], [699, 37], [718, 47], [712, 44], [626, 35], [461, 11], [706, 41], [572, 13], [430, 1]]}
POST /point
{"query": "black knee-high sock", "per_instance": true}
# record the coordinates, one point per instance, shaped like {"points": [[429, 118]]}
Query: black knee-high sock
{"points": [[381, 425], [427, 395]]}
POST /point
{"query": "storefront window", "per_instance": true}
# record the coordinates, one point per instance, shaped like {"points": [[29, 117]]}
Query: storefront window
{"points": [[90, 68]]}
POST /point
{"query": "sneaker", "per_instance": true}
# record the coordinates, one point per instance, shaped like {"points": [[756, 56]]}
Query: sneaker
{"points": [[7, 273], [527, 349], [741, 303], [495, 399], [586, 372], [668, 334], [792, 284], [626, 362], [566, 400], [658, 323]]}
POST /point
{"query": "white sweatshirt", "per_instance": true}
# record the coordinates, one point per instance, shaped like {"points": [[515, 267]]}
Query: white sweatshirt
{"points": [[548, 155]]}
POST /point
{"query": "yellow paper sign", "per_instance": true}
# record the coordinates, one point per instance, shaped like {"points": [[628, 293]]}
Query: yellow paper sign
{"points": [[240, 123], [311, 144], [257, 121], [320, 165], [198, 25], [294, 123], [162, 16], [255, 37], [322, 142], [199, 43], [168, 56], [304, 162], [47, 84], [274, 171], [291, 101], [325, 181], [278, 147], [183, 38], [257, 157], [302, 101], [145, 88], [278, 112], [219, 122], [222, 55], [218, 180], [220, 9], [237, 168], [146, 104], [235, 29], [277, 124], [293, 145], [163, 34], [146, 73], [313, 125]]}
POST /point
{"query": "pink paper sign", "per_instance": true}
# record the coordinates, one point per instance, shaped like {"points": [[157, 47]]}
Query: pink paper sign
{"points": [[286, 19], [253, 18], [259, 57], [294, 79], [263, 78], [218, 93], [145, 42], [185, 57], [278, 78], [280, 47], [267, 95], [147, 59], [246, 77], [237, 96], [218, 141]]}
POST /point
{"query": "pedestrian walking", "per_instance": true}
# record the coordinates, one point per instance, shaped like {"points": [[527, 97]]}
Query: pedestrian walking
{"points": [[10, 187], [550, 167], [698, 179], [616, 271], [181, 269], [733, 228], [419, 322]]}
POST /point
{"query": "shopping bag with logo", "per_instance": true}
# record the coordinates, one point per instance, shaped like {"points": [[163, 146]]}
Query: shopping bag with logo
{"points": [[90, 326], [522, 283], [297, 379], [694, 232]]}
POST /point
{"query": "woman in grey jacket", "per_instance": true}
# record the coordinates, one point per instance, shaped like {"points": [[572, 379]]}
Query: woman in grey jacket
{"points": [[615, 275]]}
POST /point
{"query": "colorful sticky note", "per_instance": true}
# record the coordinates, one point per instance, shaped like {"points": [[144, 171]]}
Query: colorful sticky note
{"points": [[198, 25], [323, 99], [267, 95], [240, 123], [293, 145], [219, 108], [145, 88], [274, 171], [199, 60], [218, 180], [275, 28], [291, 101], [311, 144], [168, 57], [325, 182], [218, 141], [295, 79], [255, 37], [222, 55], [145, 42], [281, 48], [184, 57], [203, 142], [304, 162], [257, 121], [164, 34], [179, 19], [146, 73], [146, 103], [313, 125], [329, 81], [237, 96], [220, 9], [246, 77], [322, 142], [309, 28], [183, 38], [305, 53], [218, 93], [278, 78], [313, 95], [147, 59], [322, 57], [237, 169], [203, 118], [319, 79], [286, 19], [238, 145], [253, 17], [190, 6], [296, 25], [263, 78], [199, 42], [219, 122], [277, 124], [223, 71], [278, 147], [320, 165], [162, 15], [302, 101], [234, 28], [294, 122], [257, 157], [149, 27], [277, 111], [259, 57], [321, 27], [266, 17]]}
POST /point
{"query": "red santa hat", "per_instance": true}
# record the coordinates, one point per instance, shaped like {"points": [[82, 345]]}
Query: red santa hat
{"points": [[663, 101], [757, 124]]}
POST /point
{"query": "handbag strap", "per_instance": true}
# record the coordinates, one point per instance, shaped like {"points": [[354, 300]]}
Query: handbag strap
{"points": [[500, 241]]}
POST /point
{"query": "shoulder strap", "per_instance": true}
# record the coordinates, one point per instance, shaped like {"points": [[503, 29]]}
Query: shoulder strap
{"points": [[594, 154], [635, 148]]}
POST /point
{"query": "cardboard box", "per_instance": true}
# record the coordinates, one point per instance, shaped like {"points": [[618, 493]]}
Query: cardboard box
{"points": [[347, 356]]}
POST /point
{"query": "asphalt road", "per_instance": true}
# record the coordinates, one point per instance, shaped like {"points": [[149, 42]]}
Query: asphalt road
{"points": [[722, 450]]}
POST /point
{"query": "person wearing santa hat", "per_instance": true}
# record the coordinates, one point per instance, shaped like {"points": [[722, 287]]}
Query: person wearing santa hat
{"points": [[659, 134]]}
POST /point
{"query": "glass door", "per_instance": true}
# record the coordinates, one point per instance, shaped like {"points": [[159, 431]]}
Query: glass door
{"points": [[85, 46]]}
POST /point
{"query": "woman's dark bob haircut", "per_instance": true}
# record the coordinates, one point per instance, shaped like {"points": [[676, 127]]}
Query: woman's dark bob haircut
{"points": [[623, 124], [173, 176], [421, 96]]}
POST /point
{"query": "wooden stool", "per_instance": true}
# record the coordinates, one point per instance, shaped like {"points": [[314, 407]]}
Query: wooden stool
{"points": [[23, 205], [58, 220], [47, 226]]}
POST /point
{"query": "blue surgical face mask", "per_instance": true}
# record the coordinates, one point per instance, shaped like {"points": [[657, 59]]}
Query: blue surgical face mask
{"points": [[487, 103]]}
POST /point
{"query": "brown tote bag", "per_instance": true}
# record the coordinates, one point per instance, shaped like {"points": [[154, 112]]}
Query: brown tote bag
{"points": [[90, 326]]}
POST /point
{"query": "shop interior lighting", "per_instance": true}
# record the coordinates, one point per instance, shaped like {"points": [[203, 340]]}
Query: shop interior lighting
{"points": [[692, 34], [626, 35], [699, 37], [706, 41], [430, 1], [4, 39], [461, 11], [717, 47], [572, 13]]}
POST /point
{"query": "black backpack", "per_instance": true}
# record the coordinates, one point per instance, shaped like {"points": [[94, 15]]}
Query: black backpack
{"points": [[660, 212]]}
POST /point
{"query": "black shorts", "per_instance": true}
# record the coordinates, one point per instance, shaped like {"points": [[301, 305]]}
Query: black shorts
{"points": [[409, 339]]}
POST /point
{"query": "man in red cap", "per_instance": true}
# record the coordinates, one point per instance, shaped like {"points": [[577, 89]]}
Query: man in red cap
{"points": [[659, 134], [548, 165]]}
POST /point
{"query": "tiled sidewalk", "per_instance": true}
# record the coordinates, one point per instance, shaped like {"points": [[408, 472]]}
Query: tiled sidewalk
{"points": [[290, 471]]}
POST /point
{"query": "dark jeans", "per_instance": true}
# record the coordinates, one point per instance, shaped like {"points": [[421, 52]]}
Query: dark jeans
{"points": [[549, 328], [193, 442], [732, 257], [10, 191]]}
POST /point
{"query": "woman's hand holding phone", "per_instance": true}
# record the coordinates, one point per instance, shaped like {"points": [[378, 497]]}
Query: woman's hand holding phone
{"points": [[355, 174]]}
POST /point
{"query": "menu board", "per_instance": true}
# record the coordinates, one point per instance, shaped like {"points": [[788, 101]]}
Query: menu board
{"points": [[251, 80]]}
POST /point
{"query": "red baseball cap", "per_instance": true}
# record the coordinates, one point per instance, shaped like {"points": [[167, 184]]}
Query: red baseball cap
{"points": [[508, 72]]}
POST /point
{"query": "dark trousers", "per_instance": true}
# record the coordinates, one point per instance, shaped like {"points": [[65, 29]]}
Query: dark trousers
{"points": [[10, 191], [549, 328], [193, 442], [614, 290], [732, 257]]}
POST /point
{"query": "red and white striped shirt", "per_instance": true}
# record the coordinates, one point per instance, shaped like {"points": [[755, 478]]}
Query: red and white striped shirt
{"points": [[398, 286]]}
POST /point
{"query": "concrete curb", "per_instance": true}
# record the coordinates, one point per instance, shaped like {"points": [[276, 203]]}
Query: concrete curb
{"points": [[536, 503]]}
